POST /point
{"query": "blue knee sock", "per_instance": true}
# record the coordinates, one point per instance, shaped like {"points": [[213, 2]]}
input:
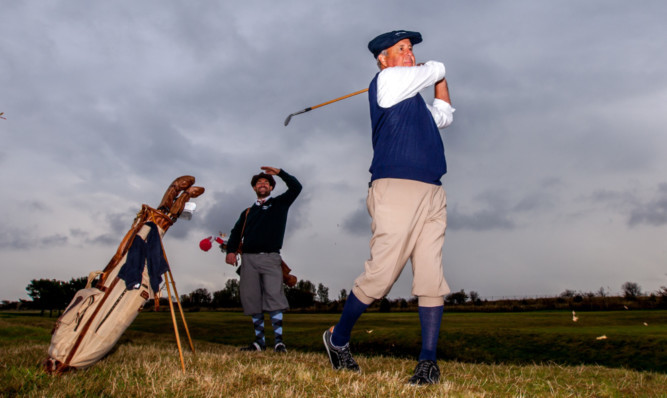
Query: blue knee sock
{"points": [[351, 312], [430, 318], [258, 324], [277, 323]]}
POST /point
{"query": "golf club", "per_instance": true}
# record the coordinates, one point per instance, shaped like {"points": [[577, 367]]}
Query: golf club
{"points": [[322, 104]]}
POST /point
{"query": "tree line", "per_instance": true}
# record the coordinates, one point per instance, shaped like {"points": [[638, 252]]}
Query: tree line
{"points": [[54, 295], [302, 295], [50, 294]]}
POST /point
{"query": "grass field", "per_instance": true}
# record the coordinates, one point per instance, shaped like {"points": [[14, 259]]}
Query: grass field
{"points": [[536, 347], [511, 338]]}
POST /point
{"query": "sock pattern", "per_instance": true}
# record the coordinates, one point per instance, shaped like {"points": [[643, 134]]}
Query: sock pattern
{"points": [[351, 312], [258, 323], [277, 323], [430, 318]]}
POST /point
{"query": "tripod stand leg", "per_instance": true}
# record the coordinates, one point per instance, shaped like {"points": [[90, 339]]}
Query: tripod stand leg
{"points": [[173, 318], [178, 301]]}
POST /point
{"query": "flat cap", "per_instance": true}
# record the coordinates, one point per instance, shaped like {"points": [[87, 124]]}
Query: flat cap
{"points": [[267, 177], [388, 39]]}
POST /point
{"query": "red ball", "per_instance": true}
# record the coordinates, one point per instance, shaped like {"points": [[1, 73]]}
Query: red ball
{"points": [[205, 244]]}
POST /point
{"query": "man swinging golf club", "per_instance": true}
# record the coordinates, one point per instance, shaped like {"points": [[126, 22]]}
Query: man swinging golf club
{"points": [[405, 198]]}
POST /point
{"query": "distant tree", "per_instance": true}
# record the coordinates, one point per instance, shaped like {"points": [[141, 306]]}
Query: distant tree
{"points": [[70, 288], [385, 305], [186, 300], [23, 303], [301, 295], [9, 305], [200, 298], [219, 298], [342, 296], [47, 294], [456, 298], [568, 293], [233, 287], [401, 303], [306, 286], [322, 294], [228, 297], [601, 292], [474, 296], [631, 290], [662, 293]]}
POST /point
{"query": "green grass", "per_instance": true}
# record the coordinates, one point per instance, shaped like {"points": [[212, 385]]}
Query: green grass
{"points": [[145, 361], [512, 338]]}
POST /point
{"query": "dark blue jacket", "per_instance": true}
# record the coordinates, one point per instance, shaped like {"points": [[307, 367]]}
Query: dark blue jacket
{"points": [[265, 229]]}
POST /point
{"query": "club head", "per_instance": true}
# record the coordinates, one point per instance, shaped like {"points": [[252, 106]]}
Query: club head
{"points": [[288, 119]]}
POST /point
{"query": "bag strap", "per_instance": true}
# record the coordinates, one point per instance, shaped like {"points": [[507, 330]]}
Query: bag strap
{"points": [[92, 277], [239, 250]]}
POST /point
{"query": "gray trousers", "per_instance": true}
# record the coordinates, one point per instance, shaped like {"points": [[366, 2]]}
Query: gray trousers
{"points": [[261, 284]]}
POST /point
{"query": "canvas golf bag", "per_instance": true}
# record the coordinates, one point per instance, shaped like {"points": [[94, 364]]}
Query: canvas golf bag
{"points": [[98, 316]]}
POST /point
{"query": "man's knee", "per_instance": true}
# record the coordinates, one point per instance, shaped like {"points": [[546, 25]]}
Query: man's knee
{"points": [[425, 301], [361, 296]]}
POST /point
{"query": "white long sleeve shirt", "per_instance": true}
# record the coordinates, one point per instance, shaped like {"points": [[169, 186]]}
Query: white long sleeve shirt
{"points": [[398, 83]]}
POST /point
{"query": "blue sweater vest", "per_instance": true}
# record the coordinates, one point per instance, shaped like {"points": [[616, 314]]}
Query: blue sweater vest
{"points": [[406, 141]]}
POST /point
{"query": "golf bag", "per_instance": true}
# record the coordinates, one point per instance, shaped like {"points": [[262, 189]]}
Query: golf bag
{"points": [[97, 316]]}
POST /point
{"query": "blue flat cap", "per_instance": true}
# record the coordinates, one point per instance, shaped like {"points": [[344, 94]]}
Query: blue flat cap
{"points": [[386, 40]]}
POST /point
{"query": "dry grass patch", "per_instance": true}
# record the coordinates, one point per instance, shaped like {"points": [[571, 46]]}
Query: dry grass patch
{"points": [[147, 364], [142, 367]]}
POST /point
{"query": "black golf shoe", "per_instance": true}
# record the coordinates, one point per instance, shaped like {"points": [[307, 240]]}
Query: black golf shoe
{"points": [[340, 357], [255, 346], [280, 347], [426, 372]]}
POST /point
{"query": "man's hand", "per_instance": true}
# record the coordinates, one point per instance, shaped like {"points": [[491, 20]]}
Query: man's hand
{"points": [[270, 170], [231, 258]]}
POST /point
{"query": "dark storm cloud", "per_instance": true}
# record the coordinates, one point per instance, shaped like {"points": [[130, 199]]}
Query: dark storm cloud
{"points": [[54, 240], [559, 112], [78, 233], [120, 222], [105, 239], [504, 209], [482, 220], [534, 202], [116, 224], [220, 213], [36, 205], [26, 239], [639, 209], [19, 239], [358, 222], [653, 212], [614, 199]]}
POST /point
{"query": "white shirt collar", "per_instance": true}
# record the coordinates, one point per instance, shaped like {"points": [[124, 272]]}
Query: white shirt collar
{"points": [[260, 202]]}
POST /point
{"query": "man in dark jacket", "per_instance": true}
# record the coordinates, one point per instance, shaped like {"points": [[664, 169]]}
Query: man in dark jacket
{"points": [[259, 234]]}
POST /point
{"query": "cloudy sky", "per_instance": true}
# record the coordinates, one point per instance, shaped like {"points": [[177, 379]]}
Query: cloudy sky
{"points": [[557, 155]]}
